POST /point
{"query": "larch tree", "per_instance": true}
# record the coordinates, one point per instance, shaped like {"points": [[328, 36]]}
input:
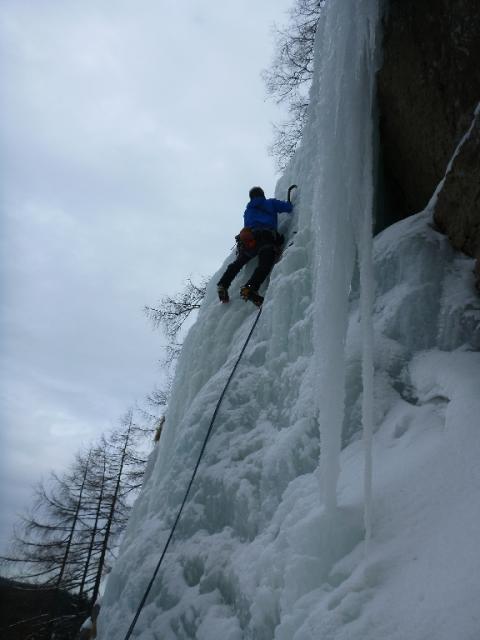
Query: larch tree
{"points": [[290, 75]]}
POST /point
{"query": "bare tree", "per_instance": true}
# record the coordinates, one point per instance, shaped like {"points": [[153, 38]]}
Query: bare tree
{"points": [[46, 536], [158, 398], [66, 543], [289, 77], [170, 314], [172, 311], [46, 548], [97, 489]]}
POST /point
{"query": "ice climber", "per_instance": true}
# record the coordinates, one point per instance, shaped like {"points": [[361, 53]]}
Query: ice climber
{"points": [[259, 237]]}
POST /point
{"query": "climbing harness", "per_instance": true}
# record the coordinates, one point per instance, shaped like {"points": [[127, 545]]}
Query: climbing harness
{"points": [[202, 450], [246, 242]]}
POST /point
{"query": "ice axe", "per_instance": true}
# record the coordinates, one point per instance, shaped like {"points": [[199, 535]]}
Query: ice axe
{"points": [[289, 192]]}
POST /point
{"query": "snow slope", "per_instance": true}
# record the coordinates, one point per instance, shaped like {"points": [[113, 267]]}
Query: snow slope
{"points": [[271, 544]]}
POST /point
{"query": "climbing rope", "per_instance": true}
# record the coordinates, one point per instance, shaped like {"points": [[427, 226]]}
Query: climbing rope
{"points": [[202, 450]]}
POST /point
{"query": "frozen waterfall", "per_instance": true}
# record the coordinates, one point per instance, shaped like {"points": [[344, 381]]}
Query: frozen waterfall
{"points": [[271, 545]]}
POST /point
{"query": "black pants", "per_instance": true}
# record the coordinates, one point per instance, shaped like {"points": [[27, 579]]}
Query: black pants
{"points": [[267, 251]]}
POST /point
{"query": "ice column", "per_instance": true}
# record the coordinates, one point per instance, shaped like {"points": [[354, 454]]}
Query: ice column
{"points": [[341, 123]]}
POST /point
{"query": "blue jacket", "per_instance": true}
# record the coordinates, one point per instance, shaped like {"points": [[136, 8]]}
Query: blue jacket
{"points": [[263, 214]]}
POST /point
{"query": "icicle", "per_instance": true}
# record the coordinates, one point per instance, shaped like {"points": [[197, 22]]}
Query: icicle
{"points": [[365, 253], [341, 122], [366, 312]]}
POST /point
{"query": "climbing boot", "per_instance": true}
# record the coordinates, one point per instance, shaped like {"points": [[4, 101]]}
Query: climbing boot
{"points": [[247, 293], [222, 293]]}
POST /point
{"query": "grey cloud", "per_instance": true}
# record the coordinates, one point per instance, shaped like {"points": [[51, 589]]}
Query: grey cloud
{"points": [[129, 138]]}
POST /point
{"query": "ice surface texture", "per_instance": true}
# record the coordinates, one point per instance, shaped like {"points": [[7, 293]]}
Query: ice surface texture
{"points": [[271, 545]]}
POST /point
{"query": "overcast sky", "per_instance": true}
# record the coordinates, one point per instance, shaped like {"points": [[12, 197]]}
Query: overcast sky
{"points": [[130, 134]]}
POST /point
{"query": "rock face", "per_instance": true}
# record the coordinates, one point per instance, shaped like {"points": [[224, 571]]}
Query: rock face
{"points": [[428, 88]]}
